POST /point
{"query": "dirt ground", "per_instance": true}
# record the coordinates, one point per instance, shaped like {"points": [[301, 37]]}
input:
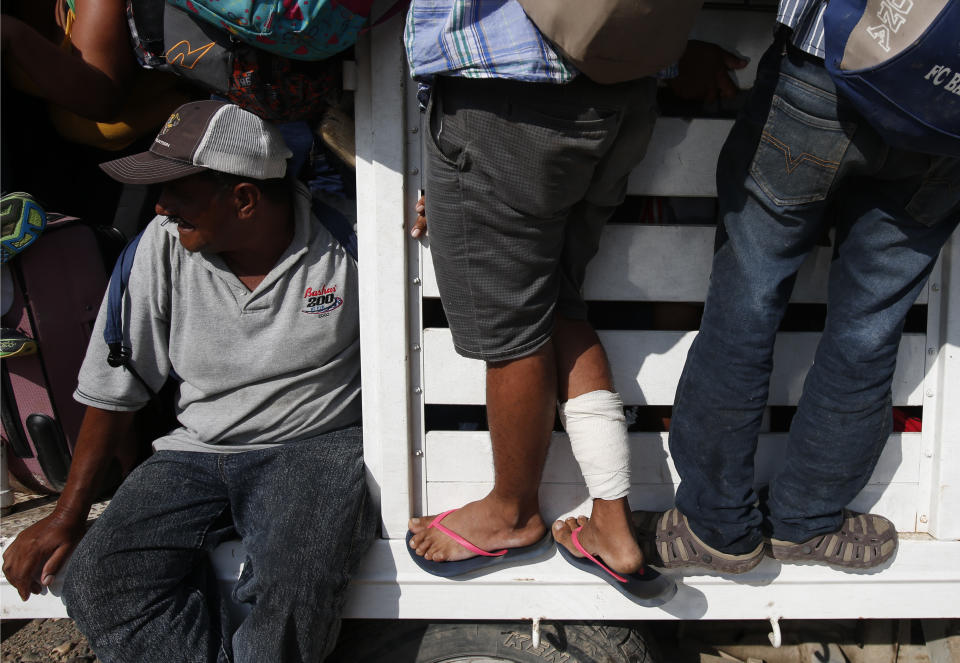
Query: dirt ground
{"points": [[43, 641]]}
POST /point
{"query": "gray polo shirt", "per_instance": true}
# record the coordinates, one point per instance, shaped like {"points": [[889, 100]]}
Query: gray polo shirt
{"points": [[258, 368]]}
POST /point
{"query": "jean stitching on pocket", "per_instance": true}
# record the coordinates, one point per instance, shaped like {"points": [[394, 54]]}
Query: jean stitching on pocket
{"points": [[822, 171], [782, 202], [811, 120], [791, 162]]}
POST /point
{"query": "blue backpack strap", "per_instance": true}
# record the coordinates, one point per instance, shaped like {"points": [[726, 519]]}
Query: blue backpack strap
{"points": [[338, 225], [120, 354], [113, 331]]}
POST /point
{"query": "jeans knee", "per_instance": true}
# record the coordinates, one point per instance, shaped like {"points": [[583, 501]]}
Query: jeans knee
{"points": [[859, 353], [745, 313], [84, 574]]}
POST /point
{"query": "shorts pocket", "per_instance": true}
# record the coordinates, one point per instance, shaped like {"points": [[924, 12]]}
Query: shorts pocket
{"points": [[557, 117], [434, 139], [799, 154]]}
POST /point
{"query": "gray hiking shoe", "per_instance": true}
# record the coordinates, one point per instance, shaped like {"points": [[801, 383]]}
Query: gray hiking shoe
{"points": [[668, 542], [863, 541]]}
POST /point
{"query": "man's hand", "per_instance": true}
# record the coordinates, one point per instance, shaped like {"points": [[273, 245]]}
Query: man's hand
{"points": [[420, 225], [36, 555], [704, 72]]}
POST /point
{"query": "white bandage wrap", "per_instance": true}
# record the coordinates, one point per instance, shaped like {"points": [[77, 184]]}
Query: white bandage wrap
{"points": [[598, 436]]}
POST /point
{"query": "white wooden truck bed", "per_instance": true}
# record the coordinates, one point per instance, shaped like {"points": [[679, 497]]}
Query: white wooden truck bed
{"points": [[410, 370]]}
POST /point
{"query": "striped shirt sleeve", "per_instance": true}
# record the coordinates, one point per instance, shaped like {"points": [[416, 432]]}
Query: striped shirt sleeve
{"points": [[805, 18]]}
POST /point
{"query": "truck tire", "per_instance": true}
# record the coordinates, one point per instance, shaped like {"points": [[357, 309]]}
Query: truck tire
{"points": [[513, 642]]}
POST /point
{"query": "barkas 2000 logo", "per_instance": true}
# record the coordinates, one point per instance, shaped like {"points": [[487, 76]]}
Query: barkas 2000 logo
{"points": [[323, 301]]}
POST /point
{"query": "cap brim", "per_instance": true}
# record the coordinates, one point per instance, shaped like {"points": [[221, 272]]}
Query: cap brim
{"points": [[148, 168]]}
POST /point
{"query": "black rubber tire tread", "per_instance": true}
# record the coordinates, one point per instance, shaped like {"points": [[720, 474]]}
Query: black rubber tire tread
{"points": [[560, 642]]}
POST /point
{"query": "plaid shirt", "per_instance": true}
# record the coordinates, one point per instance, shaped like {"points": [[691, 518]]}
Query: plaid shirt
{"points": [[805, 18], [480, 39]]}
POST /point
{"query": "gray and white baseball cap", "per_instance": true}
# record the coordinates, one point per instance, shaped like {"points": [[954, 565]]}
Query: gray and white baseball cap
{"points": [[207, 135]]}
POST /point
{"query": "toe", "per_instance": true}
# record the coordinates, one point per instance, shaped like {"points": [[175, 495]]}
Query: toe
{"points": [[417, 525], [562, 531]]}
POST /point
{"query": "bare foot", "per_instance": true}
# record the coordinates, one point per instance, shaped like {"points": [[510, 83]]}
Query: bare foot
{"points": [[483, 523], [607, 534]]}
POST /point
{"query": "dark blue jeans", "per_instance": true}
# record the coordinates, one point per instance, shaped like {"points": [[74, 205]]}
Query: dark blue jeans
{"points": [[797, 161], [139, 586]]}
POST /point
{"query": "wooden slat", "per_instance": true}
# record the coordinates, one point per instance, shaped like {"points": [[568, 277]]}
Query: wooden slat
{"points": [[647, 365], [666, 264], [455, 456], [923, 581], [896, 501], [382, 143], [672, 264], [681, 159], [943, 396], [459, 466]]}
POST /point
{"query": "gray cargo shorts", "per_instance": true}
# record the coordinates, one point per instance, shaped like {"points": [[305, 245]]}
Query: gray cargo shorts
{"points": [[520, 180]]}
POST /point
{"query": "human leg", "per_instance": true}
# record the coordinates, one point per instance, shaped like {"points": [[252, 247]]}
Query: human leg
{"points": [[590, 409], [505, 174], [520, 412], [892, 226], [135, 585], [786, 153], [305, 518], [584, 377]]}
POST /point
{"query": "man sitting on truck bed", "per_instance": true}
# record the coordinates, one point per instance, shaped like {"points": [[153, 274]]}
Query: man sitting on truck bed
{"points": [[799, 158], [229, 294]]}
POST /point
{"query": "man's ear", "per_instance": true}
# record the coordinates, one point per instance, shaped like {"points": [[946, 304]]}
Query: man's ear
{"points": [[246, 199]]}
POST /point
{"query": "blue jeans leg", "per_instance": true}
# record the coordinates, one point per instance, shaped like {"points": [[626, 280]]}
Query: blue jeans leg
{"points": [[796, 159], [135, 584], [724, 385], [305, 518], [844, 418]]}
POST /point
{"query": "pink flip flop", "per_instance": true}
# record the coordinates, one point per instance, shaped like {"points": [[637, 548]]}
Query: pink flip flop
{"points": [[484, 561], [645, 587]]}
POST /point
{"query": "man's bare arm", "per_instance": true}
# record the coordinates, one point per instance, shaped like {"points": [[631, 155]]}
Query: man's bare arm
{"points": [[39, 551], [88, 80]]}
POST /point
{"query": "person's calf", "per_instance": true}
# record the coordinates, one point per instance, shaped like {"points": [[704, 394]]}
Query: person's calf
{"points": [[597, 430]]}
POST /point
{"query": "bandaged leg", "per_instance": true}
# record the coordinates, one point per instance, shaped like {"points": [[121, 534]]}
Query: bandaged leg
{"points": [[598, 435]]}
